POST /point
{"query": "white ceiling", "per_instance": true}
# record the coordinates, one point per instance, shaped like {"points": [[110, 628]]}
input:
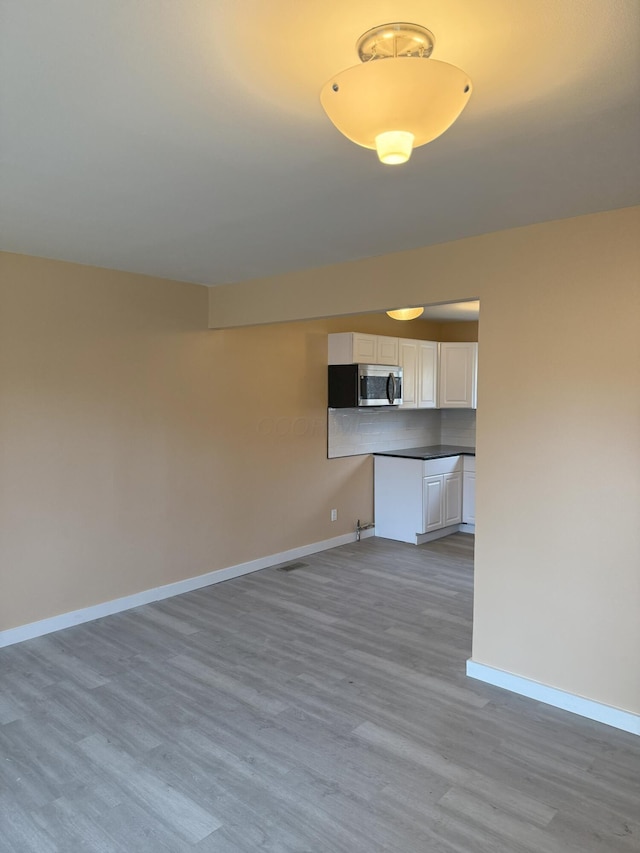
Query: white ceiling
{"points": [[184, 138]]}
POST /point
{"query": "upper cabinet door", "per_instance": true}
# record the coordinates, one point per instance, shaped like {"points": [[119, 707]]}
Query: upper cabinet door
{"points": [[419, 363], [359, 348], [408, 361], [458, 375], [427, 374], [387, 352], [365, 349]]}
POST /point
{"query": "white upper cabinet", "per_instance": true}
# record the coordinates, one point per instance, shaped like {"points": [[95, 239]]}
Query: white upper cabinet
{"points": [[364, 349], [458, 375], [408, 361], [387, 350], [427, 374], [443, 376], [358, 348], [419, 362]]}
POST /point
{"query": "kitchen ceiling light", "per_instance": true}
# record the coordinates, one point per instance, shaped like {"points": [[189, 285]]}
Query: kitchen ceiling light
{"points": [[405, 313], [398, 98]]}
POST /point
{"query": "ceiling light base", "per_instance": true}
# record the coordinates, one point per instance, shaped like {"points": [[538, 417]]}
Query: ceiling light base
{"points": [[388, 41]]}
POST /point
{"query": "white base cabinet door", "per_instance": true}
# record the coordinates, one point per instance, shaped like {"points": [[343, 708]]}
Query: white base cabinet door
{"points": [[433, 504], [469, 490], [452, 499], [442, 501], [469, 498]]}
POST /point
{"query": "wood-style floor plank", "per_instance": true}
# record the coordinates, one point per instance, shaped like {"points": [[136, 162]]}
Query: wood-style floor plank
{"points": [[320, 710]]}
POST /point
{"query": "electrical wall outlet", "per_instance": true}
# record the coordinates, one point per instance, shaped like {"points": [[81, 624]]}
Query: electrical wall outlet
{"points": [[334, 515]]}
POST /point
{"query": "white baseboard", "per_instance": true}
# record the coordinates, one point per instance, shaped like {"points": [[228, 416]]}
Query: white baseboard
{"points": [[619, 719], [423, 538], [146, 596]]}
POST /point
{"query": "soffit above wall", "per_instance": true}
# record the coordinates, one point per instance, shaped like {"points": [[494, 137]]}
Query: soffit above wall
{"points": [[514, 263], [186, 140], [453, 311]]}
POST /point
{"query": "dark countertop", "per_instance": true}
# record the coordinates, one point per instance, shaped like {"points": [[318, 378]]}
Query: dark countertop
{"points": [[434, 451]]}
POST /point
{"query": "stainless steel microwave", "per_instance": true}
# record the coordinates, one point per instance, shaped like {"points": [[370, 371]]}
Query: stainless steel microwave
{"points": [[352, 385]]}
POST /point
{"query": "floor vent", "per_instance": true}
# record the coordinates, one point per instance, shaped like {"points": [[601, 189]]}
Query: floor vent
{"points": [[291, 567]]}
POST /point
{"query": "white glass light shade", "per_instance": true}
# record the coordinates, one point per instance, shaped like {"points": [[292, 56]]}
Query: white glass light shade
{"points": [[405, 313], [394, 146], [408, 93]]}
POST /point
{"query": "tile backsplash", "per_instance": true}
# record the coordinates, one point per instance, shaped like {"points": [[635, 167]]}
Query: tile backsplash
{"points": [[352, 432], [458, 426], [355, 431]]}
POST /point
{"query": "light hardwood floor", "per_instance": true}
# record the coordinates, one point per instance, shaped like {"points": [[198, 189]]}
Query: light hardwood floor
{"points": [[321, 710]]}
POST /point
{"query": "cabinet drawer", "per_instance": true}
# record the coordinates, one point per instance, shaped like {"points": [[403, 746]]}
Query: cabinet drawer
{"points": [[469, 463], [448, 465]]}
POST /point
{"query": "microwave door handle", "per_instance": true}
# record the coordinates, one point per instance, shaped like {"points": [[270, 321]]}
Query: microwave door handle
{"points": [[391, 389]]}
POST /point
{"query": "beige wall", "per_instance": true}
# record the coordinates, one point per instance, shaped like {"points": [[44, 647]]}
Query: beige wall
{"points": [[557, 595], [139, 448], [460, 330]]}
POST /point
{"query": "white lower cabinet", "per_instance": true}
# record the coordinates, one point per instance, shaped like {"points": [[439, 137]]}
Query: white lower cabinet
{"points": [[417, 500], [469, 490]]}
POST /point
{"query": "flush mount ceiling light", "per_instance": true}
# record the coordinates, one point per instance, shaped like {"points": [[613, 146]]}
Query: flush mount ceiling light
{"points": [[398, 98], [405, 313]]}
